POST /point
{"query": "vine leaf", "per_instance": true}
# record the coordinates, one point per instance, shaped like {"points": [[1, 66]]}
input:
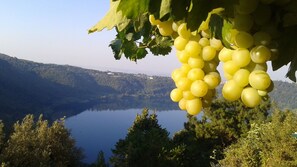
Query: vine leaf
{"points": [[133, 8], [111, 19]]}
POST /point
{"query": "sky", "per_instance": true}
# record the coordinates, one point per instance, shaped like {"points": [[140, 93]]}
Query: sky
{"points": [[55, 31]]}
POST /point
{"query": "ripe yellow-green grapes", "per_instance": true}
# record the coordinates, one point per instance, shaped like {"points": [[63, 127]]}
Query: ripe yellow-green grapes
{"points": [[244, 60]]}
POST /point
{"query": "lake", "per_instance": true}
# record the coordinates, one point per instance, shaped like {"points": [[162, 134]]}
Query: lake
{"points": [[100, 130]]}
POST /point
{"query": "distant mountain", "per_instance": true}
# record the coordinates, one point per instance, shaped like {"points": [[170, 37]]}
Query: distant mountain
{"points": [[29, 87]]}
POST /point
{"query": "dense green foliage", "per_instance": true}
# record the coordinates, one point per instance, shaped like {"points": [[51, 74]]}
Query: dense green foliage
{"points": [[200, 143], [268, 144], [40, 144], [143, 145]]}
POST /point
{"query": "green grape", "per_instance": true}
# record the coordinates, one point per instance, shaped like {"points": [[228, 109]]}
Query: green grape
{"points": [[262, 38], [210, 66], [196, 62], [180, 43], [260, 54], [255, 66], [199, 88], [193, 48], [211, 80], [204, 42], [182, 104], [176, 95], [262, 14], [243, 40], [246, 6], [216, 44], [259, 80], [225, 55], [196, 74], [183, 31], [195, 37], [241, 77], [231, 90], [243, 22], [183, 84], [208, 53], [250, 97], [177, 74], [188, 95], [183, 56], [230, 67], [185, 68], [241, 57], [262, 93], [194, 106]]}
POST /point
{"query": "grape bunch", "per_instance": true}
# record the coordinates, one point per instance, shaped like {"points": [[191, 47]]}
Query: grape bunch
{"points": [[197, 77], [250, 46]]}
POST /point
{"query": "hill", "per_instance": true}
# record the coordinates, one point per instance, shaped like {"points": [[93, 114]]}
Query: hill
{"points": [[29, 87]]}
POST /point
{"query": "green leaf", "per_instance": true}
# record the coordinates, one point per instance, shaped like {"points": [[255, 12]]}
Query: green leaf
{"points": [[111, 19], [179, 9], [133, 8], [161, 45], [198, 13], [165, 8], [116, 46], [216, 23]]}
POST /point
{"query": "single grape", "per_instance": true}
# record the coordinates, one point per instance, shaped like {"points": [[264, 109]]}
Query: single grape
{"points": [[243, 40], [241, 57], [182, 104], [180, 43], [199, 88], [193, 48], [255, 66], [196, 74], [231, 90], [194, 106], [250, 97], [225, 54], [188, 95], [208, 53], [230, 67], [196, 62], [204, 42], [205, 33], [259, 80], [241, 77], [211, 80], [183, 56], [176, 94], [260, 54], [184, 84]]}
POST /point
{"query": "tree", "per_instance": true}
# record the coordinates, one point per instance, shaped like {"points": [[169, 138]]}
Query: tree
{"points": [[202, 142], [143, 145], [40, 144], [100, 160], [268, 144]]}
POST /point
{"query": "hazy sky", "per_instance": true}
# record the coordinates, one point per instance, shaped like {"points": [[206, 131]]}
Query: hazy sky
{"points": [[55, 31]]}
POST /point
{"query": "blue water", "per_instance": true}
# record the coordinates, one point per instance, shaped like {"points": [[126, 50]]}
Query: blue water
{"points": [[100, 130]]}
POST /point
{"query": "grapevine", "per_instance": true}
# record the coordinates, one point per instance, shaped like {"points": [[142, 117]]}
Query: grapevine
{"points": [[243, 35]]}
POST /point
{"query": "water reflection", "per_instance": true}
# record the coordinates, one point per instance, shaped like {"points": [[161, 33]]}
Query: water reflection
{"points": [[95, 131]]}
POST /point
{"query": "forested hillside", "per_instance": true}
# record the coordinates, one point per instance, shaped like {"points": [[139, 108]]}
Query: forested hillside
{"points": [[29, 87]]}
